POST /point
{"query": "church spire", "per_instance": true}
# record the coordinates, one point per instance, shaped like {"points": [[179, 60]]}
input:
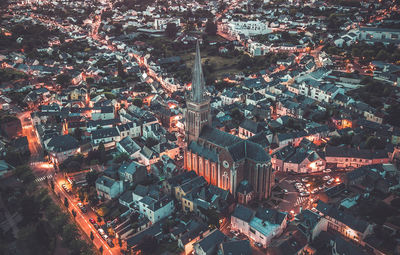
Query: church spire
{"points": [[198, 84]]}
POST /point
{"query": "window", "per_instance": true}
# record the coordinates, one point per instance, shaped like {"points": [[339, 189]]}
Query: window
{"points": [[252, 231]]}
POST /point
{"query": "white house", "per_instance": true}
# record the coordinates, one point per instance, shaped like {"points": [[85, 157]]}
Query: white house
{"points": [[261, 227], [155, 210], [108, 188]]}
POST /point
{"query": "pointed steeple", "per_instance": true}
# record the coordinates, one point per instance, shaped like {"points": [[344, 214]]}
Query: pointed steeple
{"points": [[198, 83]]}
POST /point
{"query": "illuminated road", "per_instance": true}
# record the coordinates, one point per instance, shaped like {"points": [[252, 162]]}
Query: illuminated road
{"points": [[82, 219]]}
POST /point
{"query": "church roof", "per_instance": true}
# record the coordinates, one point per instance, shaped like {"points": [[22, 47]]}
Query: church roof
{"points": [[203, 151], [237, 147], [218, 137]]}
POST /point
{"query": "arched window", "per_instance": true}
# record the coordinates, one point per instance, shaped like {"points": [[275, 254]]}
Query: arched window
{"points": [[225, 180]]}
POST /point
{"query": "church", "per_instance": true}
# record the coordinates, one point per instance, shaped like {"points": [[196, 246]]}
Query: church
{"points": [[224, 160]]}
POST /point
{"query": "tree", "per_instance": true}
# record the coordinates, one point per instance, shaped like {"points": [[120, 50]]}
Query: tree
{"points": [[66, 203], [102, 153], [70, 233], [73, 213], [101, 249], [64, 80], [171, 30], [121, 158], [137, 102], [148, 245], [245, 61], [91, 236], [121, 71], [211, 28], [52, 184], [119, 242], [78, 134]]}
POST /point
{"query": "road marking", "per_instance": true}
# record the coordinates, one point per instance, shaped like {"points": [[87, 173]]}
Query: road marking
{"points": [[300, 200], [43, 178]]}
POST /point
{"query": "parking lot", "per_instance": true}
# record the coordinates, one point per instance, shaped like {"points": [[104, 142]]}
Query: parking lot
{"points": [[300, 191]]}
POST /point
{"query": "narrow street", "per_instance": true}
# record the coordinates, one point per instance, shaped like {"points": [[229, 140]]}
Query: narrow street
{"points": [[82, 219]]}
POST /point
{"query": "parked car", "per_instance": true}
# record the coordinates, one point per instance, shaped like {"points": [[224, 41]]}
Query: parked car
{"points": [[110, 243], [285, 191], [259, 245], [305, 179], [327, 170], [304, 194], [92, 221], [101, 231], [326, 177]]}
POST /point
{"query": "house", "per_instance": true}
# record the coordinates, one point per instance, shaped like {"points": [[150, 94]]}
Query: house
{"points": [[378, 34], [343, 156], [291, 242], [108, 188], [345, 223], [103, 113], [60, 147], [374, 177], [261, 227], [210, 243], [304, 161], [193, 231], [156, 209], [230, 96], [310, 224], [107, 136], [249, 128], [132, 172], [128, 146]]}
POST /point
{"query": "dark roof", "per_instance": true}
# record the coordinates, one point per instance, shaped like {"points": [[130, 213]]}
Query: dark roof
{"points": [[238, 148], [203, 151], [243, 213], [344, 247], [105, 132], [251, 126], [62, 143], [345, 152], [347, 219], [290, 243], [218, 137], [154, 230], [213, 239], [271, 215], [240, 247]]}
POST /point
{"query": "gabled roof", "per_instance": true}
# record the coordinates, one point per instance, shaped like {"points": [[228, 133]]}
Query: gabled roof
{"points": [[212, 240], [243, 213], [240, 247], [60, 143]]}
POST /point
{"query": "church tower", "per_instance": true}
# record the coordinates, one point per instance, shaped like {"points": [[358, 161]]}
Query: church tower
{"points": [[198, 113]]}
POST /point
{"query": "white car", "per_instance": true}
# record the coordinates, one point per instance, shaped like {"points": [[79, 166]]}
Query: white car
{"points": [[259, 245], [304, 194], [285, 191], [305, 179], [327, 170], [326, 177]]}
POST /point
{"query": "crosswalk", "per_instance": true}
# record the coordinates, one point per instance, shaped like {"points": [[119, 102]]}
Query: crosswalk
{"points": [[43, 178], [300, 200]]}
